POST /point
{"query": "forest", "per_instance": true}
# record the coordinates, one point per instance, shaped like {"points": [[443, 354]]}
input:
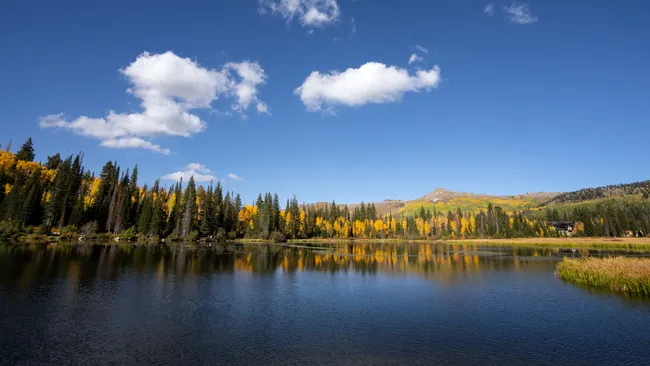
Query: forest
{"points": [[61, 197]]}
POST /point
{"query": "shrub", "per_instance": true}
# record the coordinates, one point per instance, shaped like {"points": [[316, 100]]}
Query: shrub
{"points": [[89, 228], [278, 237], [128, 234], [8, 229], [232, 235], [220, 236], [194, 236], [70, 229]]}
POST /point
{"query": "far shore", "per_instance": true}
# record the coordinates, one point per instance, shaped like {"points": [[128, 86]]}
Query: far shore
{"points": [[593, 242], [570, 242]]}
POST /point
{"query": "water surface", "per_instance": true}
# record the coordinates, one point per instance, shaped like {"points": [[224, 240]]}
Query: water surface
{"points": [[347, 304]]}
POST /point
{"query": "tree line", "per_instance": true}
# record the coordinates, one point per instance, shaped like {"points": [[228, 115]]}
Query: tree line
{"points": [[62, 196]]}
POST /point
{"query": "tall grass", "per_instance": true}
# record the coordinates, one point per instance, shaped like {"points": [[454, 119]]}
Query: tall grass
{"points": [[620, 274]]}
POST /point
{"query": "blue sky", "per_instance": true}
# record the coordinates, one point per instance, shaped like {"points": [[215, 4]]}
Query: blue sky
{"points": [[526, 96]]}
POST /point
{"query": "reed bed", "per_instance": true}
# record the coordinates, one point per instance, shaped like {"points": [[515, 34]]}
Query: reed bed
{"points": [[620, 274]]}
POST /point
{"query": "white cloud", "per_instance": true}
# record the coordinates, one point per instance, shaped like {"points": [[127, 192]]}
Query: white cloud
{"points": [[234, 176], [353, 27], [422, 49], [169, 87], [251, 75], [373, 82], [489, 9], [310, 13], [520, 14], [415, 58], [134, 142], [199, 171]]}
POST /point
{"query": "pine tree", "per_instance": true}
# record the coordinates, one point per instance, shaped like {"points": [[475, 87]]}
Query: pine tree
{"points": [[32, 204], [157, 224], [207, 226], [145, 219], [26, 151], [189, 211], [276, 213], [53, 161], [52, 212], [3, 181]]}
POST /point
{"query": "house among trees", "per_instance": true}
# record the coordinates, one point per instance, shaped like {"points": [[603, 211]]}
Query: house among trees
{"points": [[562, 227]]}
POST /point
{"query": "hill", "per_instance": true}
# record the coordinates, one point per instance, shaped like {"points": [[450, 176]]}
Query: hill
{"points": [[443, 200], [611, 191]]}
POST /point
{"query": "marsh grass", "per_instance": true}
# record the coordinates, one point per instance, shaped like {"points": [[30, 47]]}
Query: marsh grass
{"points": [[620, 274]]}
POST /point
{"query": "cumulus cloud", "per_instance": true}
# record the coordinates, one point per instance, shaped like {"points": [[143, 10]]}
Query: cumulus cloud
{"points": [[134, 142], [310, 13], [415, 58], [199, 171], [489, 9], [520, 14], [234, 176], [251, 75], [169, 87], [373, 82], [422, 49]]}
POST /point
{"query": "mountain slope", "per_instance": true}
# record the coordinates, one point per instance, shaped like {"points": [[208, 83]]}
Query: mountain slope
{"points": [[443, 200], [610, 191]]}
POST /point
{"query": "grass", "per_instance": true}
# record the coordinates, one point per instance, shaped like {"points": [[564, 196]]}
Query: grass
{"points": [[587, 243], [620, 274]]}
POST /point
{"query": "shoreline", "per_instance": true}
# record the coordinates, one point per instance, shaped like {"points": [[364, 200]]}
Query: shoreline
{"points": [[590, 242]]}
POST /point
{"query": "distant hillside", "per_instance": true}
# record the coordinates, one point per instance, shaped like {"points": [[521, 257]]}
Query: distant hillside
{"points": [[611, 191], [445, 200]]}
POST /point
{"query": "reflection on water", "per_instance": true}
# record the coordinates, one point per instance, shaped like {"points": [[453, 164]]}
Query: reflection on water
{"points": [[444, 262], [356, 303]]}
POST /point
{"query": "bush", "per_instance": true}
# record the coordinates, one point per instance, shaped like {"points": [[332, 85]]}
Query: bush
{"points": [[129, 234], [8, 229], [70, 229], [278, 237], [220, 236], [194, 236], [232, 235], [89, 228]]}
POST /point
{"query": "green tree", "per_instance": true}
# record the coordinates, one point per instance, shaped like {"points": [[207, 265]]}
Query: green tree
{"points": [[26, 151], [189, 211]]}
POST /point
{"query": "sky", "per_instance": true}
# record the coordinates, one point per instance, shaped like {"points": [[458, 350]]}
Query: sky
{"points": [[335, 99]]}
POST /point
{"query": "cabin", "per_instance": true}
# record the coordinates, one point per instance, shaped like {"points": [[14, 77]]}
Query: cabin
{"points": [[563, 227]]}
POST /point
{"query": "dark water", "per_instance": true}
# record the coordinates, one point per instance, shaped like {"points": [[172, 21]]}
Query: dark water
{"points": [[367, 304]]}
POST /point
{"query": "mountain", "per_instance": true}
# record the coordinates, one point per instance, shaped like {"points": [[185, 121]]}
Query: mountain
{"points": [[443, 199], [611, 191]]}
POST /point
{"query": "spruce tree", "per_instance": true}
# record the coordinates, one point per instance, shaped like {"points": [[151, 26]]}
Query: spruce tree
{"points": [[26, 152], [157, 224], [53, 161], [207, 224], [189, 211], [32, 204]]}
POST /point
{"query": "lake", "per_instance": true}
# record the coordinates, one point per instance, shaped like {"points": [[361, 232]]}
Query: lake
{"points": [[362, 304]]}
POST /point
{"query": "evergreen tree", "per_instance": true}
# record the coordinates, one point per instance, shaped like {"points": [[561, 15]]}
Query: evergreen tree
{"points": [[157, 225], [207, 226], [53, 161], [189, 211], [145, 219], [26, 151], [32, 204], [3, 182]]}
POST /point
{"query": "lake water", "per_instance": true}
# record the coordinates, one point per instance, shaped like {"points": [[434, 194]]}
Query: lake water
{"points": [[366, 304]]}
